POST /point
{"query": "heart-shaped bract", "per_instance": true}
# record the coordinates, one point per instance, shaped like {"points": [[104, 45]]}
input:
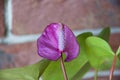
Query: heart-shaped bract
{"points": [[55, 40]]}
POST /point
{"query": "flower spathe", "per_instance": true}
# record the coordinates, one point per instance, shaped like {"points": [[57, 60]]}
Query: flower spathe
{"points": [[55, 40]]}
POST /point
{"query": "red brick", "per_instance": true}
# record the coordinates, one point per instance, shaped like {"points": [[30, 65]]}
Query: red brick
{"points": [[32, 16], [21, 54], [115, 41], [2, 29]]}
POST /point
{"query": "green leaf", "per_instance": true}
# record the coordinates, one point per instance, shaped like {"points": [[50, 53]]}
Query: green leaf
{"points": [[105, 34], [32, 72], [98, 50], [118, 53], [81, 72], [107, 64], [81, 40], [53, 71]]}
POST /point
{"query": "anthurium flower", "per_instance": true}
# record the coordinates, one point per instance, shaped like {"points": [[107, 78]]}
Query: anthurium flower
{"points": [[55, 40]]}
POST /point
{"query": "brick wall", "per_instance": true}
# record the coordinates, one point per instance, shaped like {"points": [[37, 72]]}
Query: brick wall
{"points": [[21, 22]]}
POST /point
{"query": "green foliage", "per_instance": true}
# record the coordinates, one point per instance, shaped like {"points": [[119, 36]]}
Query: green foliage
{"points": [[81, 40], [107, 64], [98, 50], [82, 71], [105, 34], [53, 71], [32, 72], [118, 53]]}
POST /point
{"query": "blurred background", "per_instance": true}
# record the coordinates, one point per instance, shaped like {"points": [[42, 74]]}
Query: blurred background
{"points": [[22, 21]]}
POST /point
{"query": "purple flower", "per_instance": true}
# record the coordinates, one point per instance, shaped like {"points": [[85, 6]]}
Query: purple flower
{"points": [[57, 39]]}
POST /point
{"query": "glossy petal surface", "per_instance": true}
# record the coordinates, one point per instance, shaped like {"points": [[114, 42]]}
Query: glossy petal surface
{"points": [[71, 45], [56, 39]]}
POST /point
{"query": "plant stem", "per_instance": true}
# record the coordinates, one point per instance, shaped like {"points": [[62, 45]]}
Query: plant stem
{"points": [[63, 68], [113, 67], [96, 74]]}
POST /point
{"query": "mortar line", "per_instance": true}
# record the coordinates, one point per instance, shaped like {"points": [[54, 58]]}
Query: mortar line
{"points": [[8, 17], [14, 39]]}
